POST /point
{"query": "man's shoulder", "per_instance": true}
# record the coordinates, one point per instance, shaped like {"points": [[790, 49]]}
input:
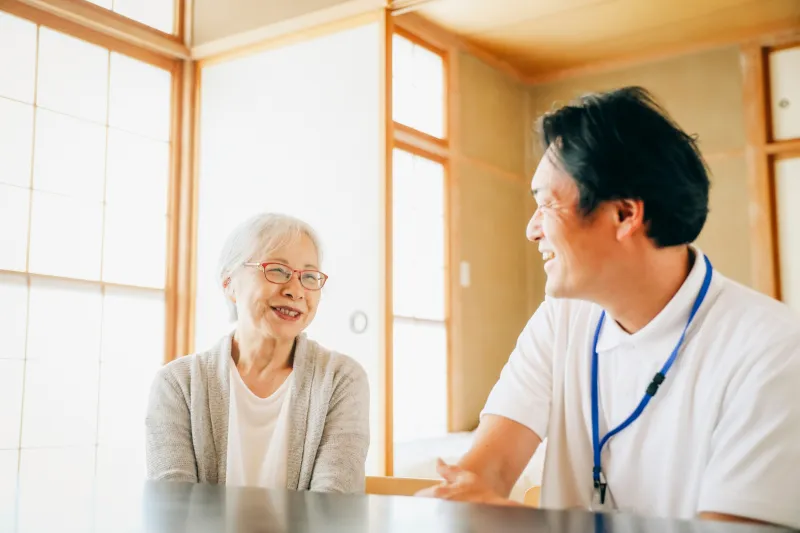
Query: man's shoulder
{"points": [[762, 318], [557, 313]]}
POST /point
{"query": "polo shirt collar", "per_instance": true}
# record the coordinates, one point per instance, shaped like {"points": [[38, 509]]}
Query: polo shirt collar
{"points": [[668, 323]]}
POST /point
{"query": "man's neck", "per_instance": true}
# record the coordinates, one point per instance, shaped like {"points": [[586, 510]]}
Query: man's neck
{"points": [[645, 288]]}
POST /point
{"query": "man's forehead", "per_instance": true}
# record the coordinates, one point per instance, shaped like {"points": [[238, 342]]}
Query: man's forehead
{"points": [[543, 175]]}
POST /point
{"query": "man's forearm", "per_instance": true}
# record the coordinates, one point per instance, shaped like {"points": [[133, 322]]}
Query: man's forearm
{"points": [[501, 450], [490, 471]]}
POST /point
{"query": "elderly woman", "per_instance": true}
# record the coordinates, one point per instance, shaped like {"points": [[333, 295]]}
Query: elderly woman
{"points": [[266, 406]]}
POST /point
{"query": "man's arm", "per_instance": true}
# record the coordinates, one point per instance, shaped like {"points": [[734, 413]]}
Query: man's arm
{"points": [[487, 473], [749, 475], [513, 422], [501, 451]]}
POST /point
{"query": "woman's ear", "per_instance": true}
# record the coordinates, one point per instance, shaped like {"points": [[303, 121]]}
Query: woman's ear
{"points": [[227, 288]]}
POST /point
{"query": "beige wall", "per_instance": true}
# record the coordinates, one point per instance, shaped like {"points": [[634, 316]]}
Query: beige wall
{"points": [[491, 230], [703, 93], [215, 19]]}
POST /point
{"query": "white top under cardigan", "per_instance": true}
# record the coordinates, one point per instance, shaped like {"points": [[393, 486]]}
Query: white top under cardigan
{"points": [[258, 436]]}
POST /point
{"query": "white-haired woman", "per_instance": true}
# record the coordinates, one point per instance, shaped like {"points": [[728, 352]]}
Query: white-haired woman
{"points": [[266, 406]]}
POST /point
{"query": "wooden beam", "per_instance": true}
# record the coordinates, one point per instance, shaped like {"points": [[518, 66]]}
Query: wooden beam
{"points": [[385, 114], [207, 55], [778, 148], [181, 241], [100, 26], [341, 16], [81, 282], [419, 143], [763, 242], [773, 35], [453, 235]]}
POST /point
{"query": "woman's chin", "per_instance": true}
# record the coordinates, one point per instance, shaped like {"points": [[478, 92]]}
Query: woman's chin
{"points": [[280, 329]]}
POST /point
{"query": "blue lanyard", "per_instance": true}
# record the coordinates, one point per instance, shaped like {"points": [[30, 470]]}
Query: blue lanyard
{"points": [[658, 379]]}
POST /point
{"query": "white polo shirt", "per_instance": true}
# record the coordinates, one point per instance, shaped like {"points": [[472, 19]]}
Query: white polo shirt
{"points": [[721, 435]]}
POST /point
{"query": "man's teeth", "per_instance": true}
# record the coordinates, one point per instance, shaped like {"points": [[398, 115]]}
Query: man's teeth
{"points": [[286, 311], [548, 255]]}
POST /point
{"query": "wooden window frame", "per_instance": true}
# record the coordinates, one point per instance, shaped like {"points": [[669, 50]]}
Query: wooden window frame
{"points": [[99, 26], [90, 16], [762, 151], [406, 138]]}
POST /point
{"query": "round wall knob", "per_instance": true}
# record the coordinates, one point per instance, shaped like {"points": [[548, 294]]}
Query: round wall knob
{"points": [[783, 103], [358, 322]]}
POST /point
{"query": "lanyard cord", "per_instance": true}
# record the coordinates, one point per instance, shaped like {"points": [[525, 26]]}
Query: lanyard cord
{"points": [[651, 391]]}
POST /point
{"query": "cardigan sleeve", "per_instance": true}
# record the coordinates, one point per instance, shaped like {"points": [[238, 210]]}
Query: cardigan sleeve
{"points": [[170, 453], [342, 453]]}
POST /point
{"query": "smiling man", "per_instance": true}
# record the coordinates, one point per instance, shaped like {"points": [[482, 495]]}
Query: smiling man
{"points": [[663, 387]]}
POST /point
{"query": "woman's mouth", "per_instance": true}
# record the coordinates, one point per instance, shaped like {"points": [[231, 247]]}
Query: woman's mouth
{"points": [[289, 314]]}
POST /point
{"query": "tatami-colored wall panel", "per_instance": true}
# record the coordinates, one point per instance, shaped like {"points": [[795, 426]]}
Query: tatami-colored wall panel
{"points": [[702, 92], [494, 306], [726, 235], [492, 117]]}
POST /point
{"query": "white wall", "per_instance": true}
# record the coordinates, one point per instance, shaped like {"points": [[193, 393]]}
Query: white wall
{"points": [[297, 130]]}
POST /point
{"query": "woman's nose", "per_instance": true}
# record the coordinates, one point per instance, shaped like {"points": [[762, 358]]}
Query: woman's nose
{"points": [[293, 288]]}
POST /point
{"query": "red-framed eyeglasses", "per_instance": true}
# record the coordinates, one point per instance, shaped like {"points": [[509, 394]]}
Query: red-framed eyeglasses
{"points": [[279, 273]]}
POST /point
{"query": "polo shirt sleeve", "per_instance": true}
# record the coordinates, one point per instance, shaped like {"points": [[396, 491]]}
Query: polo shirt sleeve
{"points": [[755, 448], [524, 390]]}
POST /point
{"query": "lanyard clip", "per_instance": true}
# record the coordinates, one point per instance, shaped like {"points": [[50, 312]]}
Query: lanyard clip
{"points": [[600, 484]]}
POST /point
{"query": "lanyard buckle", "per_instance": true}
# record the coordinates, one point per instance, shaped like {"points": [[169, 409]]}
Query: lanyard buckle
{"points": [[599, 477]]}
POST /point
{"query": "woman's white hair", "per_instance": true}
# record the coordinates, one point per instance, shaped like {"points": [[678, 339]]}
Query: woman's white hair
{"points": [[257, 238]]}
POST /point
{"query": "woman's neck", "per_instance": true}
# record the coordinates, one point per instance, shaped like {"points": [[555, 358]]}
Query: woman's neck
{"points": [[256, 355]]}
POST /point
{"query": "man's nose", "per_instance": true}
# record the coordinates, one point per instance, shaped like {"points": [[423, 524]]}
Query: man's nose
{"points": [[534, 230]]}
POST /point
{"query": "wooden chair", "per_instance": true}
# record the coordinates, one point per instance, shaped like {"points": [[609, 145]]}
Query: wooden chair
{"points": [[532, 495], [397, 486]]}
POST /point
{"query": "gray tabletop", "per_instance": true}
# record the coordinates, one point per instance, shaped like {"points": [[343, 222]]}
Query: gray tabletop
{"points": [[172, 507]]}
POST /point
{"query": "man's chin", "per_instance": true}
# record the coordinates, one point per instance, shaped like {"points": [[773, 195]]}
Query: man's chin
{"points": [[553, 289]]}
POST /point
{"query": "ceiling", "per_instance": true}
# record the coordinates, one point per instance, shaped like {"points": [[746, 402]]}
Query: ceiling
{"points": [[544, 37]]}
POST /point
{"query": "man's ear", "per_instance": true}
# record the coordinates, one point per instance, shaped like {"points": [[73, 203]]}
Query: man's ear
{"points": [[629, 217]]}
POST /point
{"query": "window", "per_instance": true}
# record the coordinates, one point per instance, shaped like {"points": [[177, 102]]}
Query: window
{"points": [[158, 14], [419, 275], [418, 88], [420, 350], [787, 190], [85, 153]]}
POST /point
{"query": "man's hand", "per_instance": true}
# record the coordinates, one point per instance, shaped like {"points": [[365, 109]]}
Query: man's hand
{"points": [[462, 485]]}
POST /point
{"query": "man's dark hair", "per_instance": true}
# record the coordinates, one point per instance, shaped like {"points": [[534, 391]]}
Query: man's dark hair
{"points": [[623, 145]]}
